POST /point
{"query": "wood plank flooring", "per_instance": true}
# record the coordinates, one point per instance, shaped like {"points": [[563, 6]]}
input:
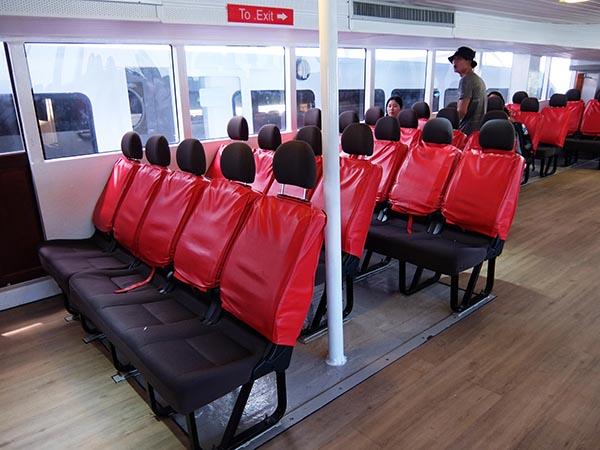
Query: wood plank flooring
{"points": [[523, 372]]}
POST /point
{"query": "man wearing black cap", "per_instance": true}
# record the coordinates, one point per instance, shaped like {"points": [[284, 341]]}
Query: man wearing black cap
{"points": [[471, 90]]}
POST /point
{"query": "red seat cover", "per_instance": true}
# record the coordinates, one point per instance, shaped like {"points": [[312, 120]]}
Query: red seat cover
{"points": [[410, 136], [530, 119], [552, 128], [167, 216], [483, 193], [359, 181], [576, 108], [135, 204], [214, 171], [264, 170], [295, 191], [422, 178], [209, 232], [389, 155], [269, 276], [590, 122], [513, 108], [459, 139], [116, 186], [473, 142]]}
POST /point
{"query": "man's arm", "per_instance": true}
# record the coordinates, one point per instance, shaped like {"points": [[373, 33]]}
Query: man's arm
{"points": [[462, 106]]}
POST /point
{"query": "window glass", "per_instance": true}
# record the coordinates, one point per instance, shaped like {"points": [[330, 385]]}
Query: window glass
{"points": [[351, 80], [445, 81], [88, 95], [535, 80], [402, 73], [227, 81], [560, 76], [10, 135], [496, 68]]}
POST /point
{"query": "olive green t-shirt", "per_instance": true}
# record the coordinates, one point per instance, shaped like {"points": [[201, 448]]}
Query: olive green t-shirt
{"points": [[472, 86]]}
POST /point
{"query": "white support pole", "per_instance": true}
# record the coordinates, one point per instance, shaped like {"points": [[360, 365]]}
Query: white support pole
{"points": [[291, 104], [430, 80], [328, 41], [370, 79]]}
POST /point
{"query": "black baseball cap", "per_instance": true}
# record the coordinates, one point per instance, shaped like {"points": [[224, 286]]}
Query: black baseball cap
{"points": [[465, 53]]}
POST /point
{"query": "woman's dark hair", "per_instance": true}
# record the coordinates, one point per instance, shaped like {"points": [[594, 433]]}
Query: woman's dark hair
{"points": [[498, 94], [396, 98]]}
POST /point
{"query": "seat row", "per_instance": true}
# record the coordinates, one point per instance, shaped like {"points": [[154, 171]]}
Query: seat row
{"points": [[202, 285]]}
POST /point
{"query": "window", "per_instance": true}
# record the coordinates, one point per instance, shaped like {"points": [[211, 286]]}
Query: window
{"points": [[560, 76], [351, 80], [445, 81], [88, 95], [10, 135], [226, 81], [535, 80], [402, 73], [496, 68]]}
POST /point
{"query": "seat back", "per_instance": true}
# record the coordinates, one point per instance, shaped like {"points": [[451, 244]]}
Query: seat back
{"points": [[268, 280], [134, 207], [554, 123], [483, 193], [346, 118], [422, 177], [312, 136], [517, 98], [372, 115], [575, 106], [473, 141], [528, 115], [388, 153], [313, 117], [119, 181], [269, 138], [410, 134], [216, 220], [423, 113], [172, 205], [359, 182], [459, 139], [237, 130], [590, 122]]}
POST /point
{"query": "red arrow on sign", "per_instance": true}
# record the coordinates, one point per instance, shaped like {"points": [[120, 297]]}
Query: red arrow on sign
{"points": [[259, 14]]}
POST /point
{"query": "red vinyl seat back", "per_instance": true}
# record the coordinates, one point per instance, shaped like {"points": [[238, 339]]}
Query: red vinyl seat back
{"points": [[410, 136], [388, 152], [269, 138], [459, 139], [141, 193], [359, 182], [590, 122], [575, 108], [528, 115], [473, 142], [554, 124], [269, 277], [422, 123], [119, 181], [513, 108], [483, 193], [237, 130], [423, 176]]}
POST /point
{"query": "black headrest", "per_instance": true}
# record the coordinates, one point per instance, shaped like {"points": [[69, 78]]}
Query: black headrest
{"points": [[237, 129], [312, 136], [190, 156], [497, 134], [237, 162], [495, 104], [387, 129], [573, 95], [357, 138], [530, 104], [373, 115], [346, 118], [494, 114], [422, 110], [558, 100], [451, 114], [313, 117], [452, 105], [294, 163], [438, 131], [519, 96], [131, 145], [269, 137], [597, 95], [157, 151], [408, 119]]}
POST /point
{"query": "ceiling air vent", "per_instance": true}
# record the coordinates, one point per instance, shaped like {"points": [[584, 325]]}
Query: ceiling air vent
{"points": [[403, 13]]}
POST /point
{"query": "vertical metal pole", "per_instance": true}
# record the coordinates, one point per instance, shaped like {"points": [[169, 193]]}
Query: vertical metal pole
{"points": [[328, 41]]}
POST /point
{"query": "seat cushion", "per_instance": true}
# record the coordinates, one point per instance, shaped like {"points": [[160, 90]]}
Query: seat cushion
{"points": [[545, 151], [389, 237]]}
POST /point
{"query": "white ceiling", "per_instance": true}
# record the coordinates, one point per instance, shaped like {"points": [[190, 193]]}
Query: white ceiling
{"points": [[549, 11]]}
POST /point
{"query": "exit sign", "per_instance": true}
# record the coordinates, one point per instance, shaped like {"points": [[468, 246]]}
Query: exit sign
{"points": [[259, 14]]}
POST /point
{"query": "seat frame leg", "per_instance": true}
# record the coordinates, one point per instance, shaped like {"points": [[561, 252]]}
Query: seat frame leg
{"points": [[416, 284], [468, 299], [158, 409]]}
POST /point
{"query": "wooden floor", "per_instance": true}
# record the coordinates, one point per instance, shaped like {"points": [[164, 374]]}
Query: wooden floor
{"points": [[523, 372]]}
